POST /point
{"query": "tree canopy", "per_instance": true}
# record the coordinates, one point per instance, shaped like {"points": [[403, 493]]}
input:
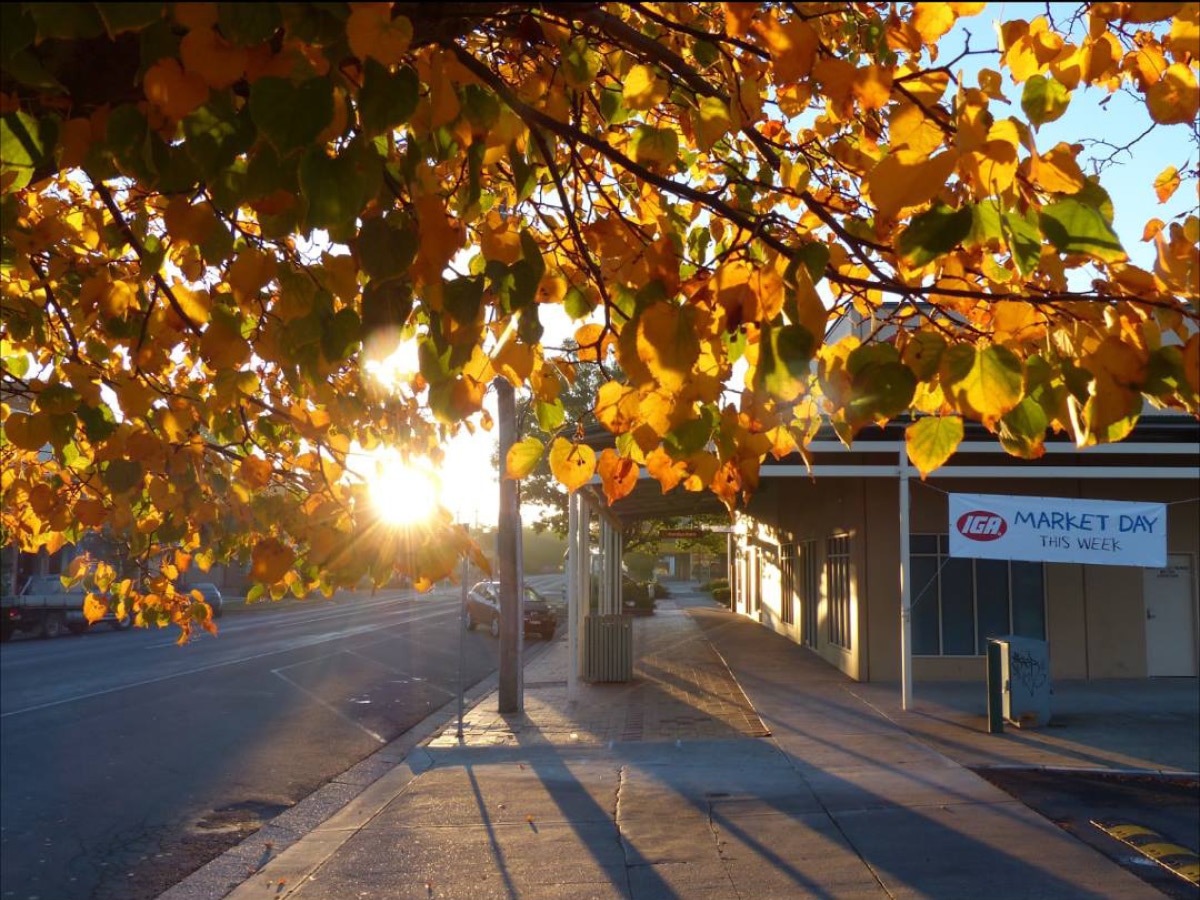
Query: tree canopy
{"points": [[219, 219]]}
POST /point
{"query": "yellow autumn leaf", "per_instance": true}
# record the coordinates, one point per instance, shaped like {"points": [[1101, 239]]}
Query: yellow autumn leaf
{"points": [[619, 475], [643, 88], [374, 33], [872, 86], [270, 560], [1166, 184], [523, 457], [792, 44], [1057, 171], [616, 406], [572, 465], [255, 471], [94, 608], [667, 344], [905, 180], [711, 122], [932, 20], [1175, 98], [932, 440]]}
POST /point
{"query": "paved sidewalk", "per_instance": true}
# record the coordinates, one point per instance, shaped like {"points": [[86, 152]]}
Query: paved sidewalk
{"points": [[736, 765]]}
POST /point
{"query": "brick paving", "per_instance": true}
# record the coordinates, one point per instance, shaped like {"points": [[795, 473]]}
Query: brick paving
{"points": [[681, 690]]}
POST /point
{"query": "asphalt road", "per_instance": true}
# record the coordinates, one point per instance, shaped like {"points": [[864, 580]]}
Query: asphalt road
{"points": [[1167, 805], [128, 762]]}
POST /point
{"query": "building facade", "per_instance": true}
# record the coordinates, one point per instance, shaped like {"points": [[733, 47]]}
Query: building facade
{"points": [[817, 559]]}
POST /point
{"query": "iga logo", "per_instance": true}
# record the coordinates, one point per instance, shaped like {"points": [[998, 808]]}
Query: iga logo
{"points": [[980, 525]]}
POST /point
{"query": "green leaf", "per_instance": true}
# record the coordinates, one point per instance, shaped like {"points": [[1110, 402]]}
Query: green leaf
{"points": [[984, 383], [814, 256], [654, 146], [1074, 227], [524, 175], [17, 29], [1023, 429], [688, 438], [550, 416], [338, 187], [121, 17], [21, 148], [341, 335], [1024, 241], [784, 355], [576, 303], [66, 21], [481, 107], [880, 391], [985, 226], [122, 475], [934, 233], [923, 353], [462, 298], [1044, 99], [612, 106], [387, 99], [248, 23], [386, 246], [217, 134], [932, 440], [291, 116]]}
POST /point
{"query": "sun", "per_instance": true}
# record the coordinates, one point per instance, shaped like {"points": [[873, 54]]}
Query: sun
{"points": [[403, 492]]}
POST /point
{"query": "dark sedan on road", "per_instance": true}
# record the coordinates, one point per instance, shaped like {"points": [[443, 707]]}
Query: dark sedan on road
{"points": [[483, 608]]}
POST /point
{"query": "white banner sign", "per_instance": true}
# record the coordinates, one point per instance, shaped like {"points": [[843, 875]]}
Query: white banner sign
{"points": [[1057, 529]]}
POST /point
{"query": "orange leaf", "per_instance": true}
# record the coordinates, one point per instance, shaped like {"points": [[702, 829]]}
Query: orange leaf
{"points": [[1175, 98], [171, 90], [270, 560], [373, 33], [1166, 183], [94, 608], [255, 471], [793, 46], [573, 465], [619, 474], [207, 54], [667, 471]]}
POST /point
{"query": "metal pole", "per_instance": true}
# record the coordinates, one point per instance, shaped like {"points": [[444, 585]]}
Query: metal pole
{"points": [[507, 538], [585, 576], [462, 638], [906, 676], [572, 597]]}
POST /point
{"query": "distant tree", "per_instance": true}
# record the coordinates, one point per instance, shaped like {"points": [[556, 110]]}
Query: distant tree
{"points": [[214, 215]]}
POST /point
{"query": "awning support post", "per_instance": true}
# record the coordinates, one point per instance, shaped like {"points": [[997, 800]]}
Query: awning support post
{"points": [[906, 676]]}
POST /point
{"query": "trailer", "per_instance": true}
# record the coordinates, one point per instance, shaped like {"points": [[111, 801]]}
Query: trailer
{"points": [[45, 608]]}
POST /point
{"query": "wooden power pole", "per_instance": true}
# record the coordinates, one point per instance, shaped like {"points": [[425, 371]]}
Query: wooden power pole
{"points": [[508, 532]]}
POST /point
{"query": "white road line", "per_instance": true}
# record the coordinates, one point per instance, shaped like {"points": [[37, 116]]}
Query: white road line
{"points": [[293, 645], [278, 673], [394, 670]]}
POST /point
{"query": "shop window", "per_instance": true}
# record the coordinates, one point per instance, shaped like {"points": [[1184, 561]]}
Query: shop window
{"points": [[787, 578], [957, 604], [837, 580]]}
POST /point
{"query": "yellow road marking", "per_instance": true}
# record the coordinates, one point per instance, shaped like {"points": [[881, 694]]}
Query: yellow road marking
{"points": [[1180, 860]]}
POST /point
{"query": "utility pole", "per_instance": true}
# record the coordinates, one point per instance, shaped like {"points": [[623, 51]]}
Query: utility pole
{"points": [[508, 533]]}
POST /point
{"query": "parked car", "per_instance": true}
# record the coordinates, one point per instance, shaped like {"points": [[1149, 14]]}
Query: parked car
{"points": [[483, 608], [212, 596]]}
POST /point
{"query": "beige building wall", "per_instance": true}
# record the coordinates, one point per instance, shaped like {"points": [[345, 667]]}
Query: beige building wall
{"points": [[1095, 615]]}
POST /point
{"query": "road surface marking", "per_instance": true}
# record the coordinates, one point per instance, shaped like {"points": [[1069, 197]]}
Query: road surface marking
{"points": [[1171, 856], [292, 645], [278, 673]]}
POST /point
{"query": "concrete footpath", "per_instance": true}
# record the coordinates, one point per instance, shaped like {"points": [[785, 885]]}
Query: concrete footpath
{"points": [[736, 765]]}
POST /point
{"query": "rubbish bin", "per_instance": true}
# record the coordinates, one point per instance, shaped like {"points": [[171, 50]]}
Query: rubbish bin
{"points": [[1019, 670], [608, 648]]}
